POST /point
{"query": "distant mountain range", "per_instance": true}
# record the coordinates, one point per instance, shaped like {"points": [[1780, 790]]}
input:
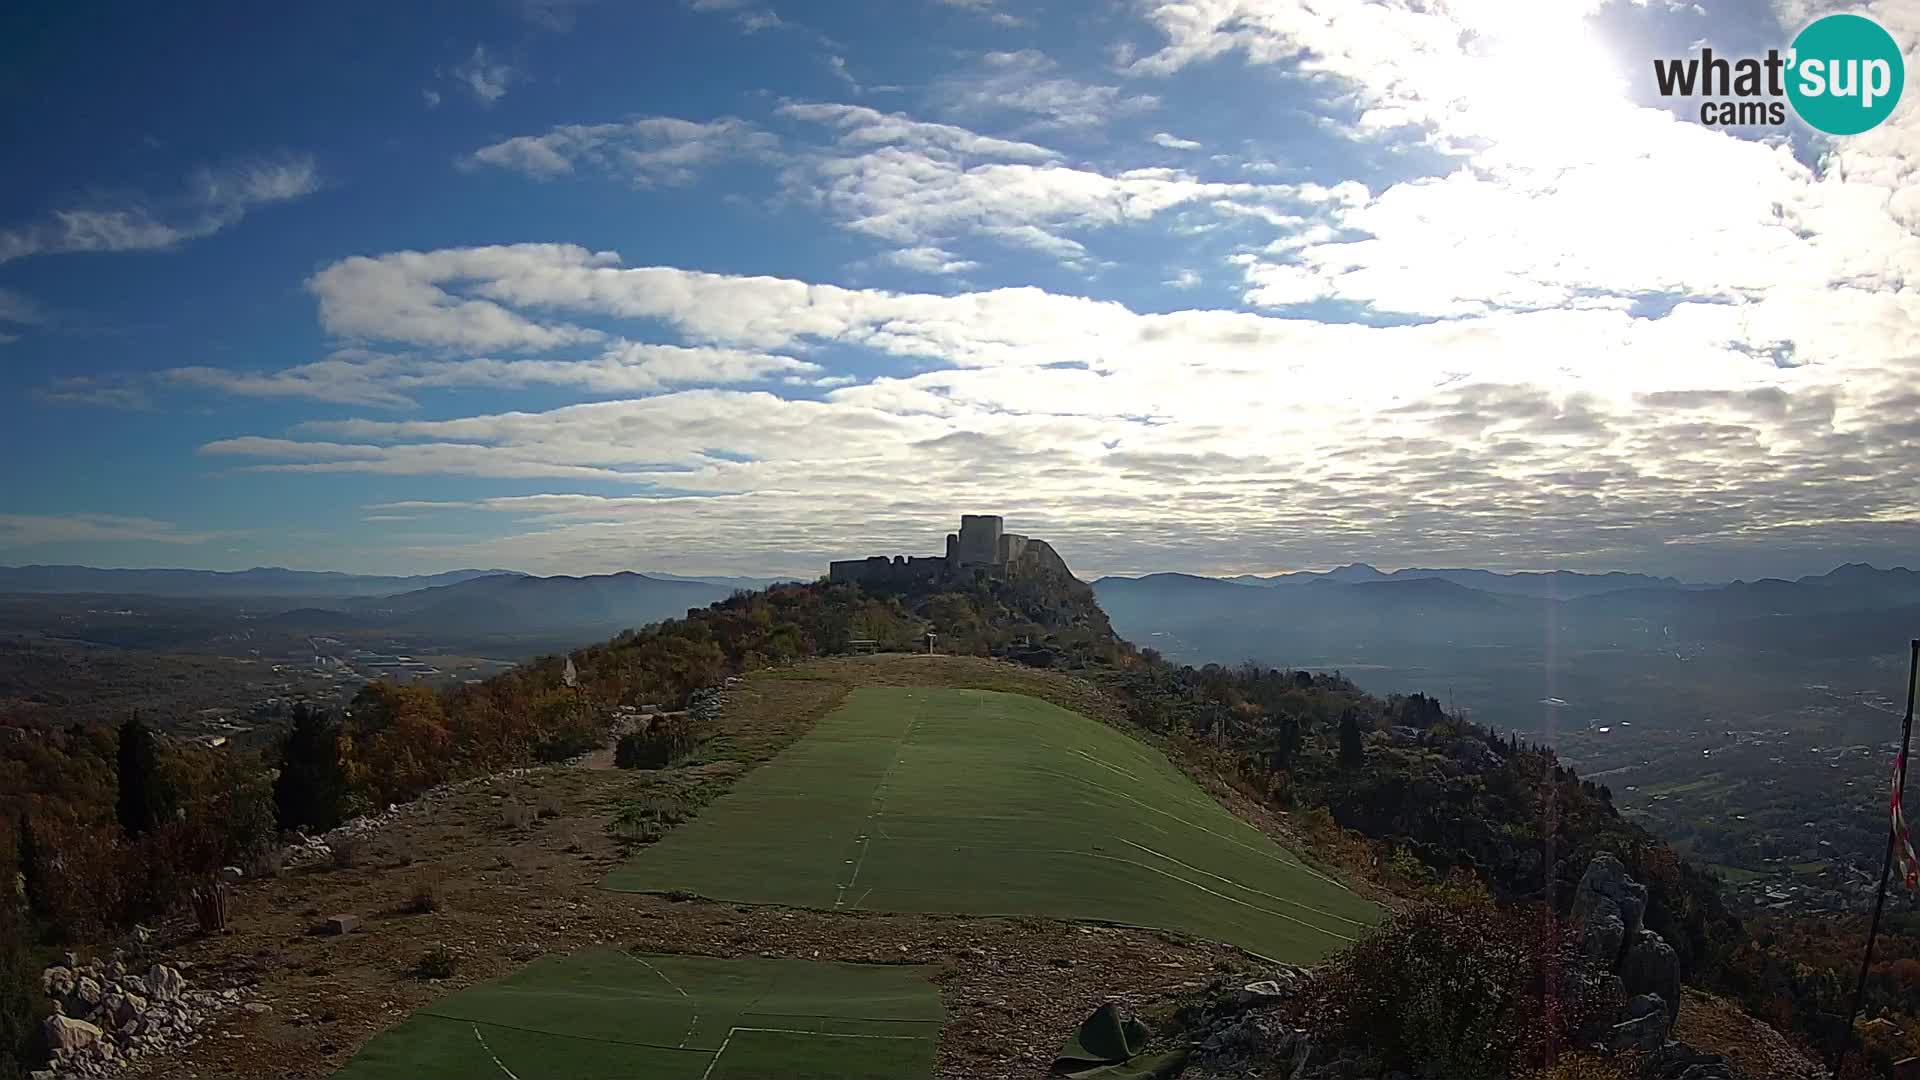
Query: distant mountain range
{"points": [[1556, 583], [1359, 611], [259, 581], [519, 603], [263, 581]]}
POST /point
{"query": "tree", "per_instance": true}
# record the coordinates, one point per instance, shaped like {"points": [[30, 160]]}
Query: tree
{"points": [[20, 996], [1352, 750], [312, 786], [27, 865], [142, 802]]}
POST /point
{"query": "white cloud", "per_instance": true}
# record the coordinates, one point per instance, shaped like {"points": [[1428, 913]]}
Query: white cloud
{"points": [[1030, 83], [750, 17], [1582, 430], [929, 260], [213, 199], [993, 10], [1173, 142], [30, 530], [647, 151], [361, 378], [483, 76], [919, 184], [97, 391]]}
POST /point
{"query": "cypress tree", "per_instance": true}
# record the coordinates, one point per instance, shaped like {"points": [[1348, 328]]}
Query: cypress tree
{"points": [[312, 786], [140, 799], [1352, 750]]}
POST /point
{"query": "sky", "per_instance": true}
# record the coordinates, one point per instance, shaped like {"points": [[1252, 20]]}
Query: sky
{"points": [[741, 286]]}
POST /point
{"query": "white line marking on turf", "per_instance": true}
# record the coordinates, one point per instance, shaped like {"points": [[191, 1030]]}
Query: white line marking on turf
{"points": [[692, 1024], [879, 808], [662, 974], [731, 1032], [1241, 885], [1104, 765], [496, 1060]]}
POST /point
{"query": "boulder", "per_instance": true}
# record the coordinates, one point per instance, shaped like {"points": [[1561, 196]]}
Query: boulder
{"points": [[340, 924], [128, 1010], [164, 983], [66, 1033], [57, 981], [86, 995], [1651, 967], [1645, 1028]]}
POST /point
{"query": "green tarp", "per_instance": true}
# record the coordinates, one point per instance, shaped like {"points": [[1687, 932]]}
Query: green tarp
{"points": [[1109, 1045]]}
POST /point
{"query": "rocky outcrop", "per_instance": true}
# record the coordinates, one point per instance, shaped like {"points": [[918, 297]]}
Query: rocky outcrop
{"points": [[105, 1016], [1634, 964], [1611, 908]]}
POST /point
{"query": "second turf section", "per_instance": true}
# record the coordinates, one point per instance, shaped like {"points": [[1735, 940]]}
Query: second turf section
{"points": [[976, 802]]}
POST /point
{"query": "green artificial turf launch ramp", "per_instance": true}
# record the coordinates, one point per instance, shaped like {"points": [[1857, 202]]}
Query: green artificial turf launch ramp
{"points": [[604, 1015], [975, 802]]}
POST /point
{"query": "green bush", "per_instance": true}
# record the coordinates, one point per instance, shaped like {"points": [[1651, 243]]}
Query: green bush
{"points": [[436, 963], [661, 745], [1455, 986]]}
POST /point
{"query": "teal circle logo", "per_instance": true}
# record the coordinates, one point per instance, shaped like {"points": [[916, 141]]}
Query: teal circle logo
{"points": [[1845, 74]]}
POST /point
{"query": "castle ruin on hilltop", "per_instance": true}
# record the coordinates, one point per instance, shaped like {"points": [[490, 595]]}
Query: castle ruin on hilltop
{"points": [[981, 549]]}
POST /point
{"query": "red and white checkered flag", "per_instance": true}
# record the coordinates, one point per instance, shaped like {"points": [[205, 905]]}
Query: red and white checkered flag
{"points": [[1902, 839]]}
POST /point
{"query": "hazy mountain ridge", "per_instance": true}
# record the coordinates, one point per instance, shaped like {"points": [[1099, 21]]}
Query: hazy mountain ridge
{"points": [[1551, 583], [596, 602], [259, 581]]}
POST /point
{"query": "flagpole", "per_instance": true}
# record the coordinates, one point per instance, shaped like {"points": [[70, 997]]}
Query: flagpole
{"points": [[1886, 869]]}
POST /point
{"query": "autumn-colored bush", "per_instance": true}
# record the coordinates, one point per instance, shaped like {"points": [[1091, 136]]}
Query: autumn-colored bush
{"points": [[1457, 986]]}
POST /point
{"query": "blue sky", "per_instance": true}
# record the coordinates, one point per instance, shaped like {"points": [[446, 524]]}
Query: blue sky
{"points": [[733, 286]]}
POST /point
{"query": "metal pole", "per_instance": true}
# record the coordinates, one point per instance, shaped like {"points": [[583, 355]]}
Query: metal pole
{"points": [[1886, 868]]}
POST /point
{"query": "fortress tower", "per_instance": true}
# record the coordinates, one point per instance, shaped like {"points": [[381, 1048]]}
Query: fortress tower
{"points": [[982, 548]]}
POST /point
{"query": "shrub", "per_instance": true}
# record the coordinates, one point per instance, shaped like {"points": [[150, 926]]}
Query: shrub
{"points": [[1456, 986], [549, 807], [661, 745], [647, 820], [436, 963], [424, 901], [348, 852], [516, 816]]}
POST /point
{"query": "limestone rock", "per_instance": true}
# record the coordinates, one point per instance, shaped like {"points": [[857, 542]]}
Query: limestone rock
{"points": [[1651, 967], [57, 981], [1606, 890], [340, 924], [66, 1033], [164, 983]]}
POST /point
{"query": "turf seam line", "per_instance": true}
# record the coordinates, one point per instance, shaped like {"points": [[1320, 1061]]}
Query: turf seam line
{"points": [[830, 1034], [563, 1034], [879, 808], [663, 975], [1239, 885], [496, 1057]]}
